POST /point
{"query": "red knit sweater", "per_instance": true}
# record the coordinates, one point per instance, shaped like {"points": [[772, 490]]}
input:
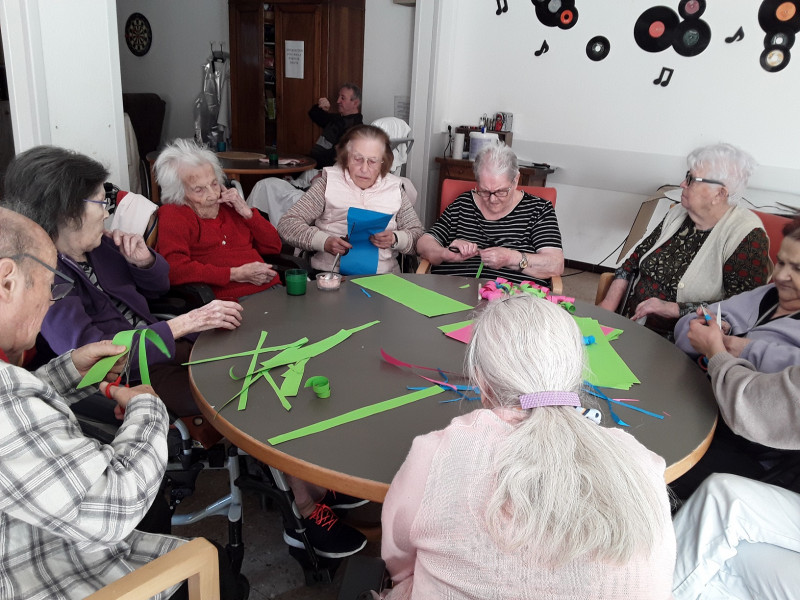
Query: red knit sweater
{"points": [[204, 250]]}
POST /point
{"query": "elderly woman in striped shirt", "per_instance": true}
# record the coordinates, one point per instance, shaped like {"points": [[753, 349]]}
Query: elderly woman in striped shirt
{"points": [[513, 234]]}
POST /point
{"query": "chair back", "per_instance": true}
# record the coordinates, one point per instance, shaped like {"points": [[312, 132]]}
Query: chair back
{"points": [[399, 139], [773, 225], [453, 188]]}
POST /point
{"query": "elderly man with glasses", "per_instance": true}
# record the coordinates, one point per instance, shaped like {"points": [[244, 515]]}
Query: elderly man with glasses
{"points": [[497, 228], [706, 249]]}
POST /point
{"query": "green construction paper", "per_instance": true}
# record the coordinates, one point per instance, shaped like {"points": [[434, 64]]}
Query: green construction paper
{"points": [[125, 338], [292, 378], [278, 392], [480, 270], [615, 333], [355, 415], [247, 380], [607, 369], [454, 326], [292, 355], [299, 342], [415, 297], [463, 287], [321, 386]]}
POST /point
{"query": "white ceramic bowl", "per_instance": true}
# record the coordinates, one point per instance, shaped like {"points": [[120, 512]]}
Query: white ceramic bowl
{"points": [[329, 281]]}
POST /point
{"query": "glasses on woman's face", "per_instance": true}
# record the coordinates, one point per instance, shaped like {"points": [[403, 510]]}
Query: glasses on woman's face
{"points": [[372, 162], [690, 179], [57, 290], [485, 194], [105, 202]]}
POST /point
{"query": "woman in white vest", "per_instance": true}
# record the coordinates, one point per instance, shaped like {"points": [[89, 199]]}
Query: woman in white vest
{"points": [[359, 179], [704, 250]]}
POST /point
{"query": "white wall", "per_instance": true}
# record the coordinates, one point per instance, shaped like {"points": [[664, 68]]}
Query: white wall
{"points": [[388, 40], [64, 80], [173, 68], [614, 136]]}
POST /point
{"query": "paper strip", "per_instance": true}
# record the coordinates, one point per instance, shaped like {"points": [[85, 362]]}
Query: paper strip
{"points": [[248, 380], [417, 298], [321, 386], [102, 367]]}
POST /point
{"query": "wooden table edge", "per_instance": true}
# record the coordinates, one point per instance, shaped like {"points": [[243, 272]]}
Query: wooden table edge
{"points": [[681, 467]]}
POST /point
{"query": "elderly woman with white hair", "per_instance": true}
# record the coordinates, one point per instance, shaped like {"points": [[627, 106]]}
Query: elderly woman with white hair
{"points": [[207, 233], [511, 233], [526, 497], [705, 250]]}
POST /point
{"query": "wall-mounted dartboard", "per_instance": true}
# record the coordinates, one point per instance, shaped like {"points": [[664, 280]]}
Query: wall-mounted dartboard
{"points": [[138, 34]]}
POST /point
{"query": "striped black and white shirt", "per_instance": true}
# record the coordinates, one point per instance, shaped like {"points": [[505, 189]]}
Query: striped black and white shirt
{"points": [[531, 226]]}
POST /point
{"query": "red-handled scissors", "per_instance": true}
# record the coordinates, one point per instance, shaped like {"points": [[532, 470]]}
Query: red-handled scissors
{"points": [[118, 381]]}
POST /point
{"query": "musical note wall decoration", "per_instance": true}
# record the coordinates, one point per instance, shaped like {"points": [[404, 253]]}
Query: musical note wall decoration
{"points": [[500, 11], [545, 47], [661, 80], [736, 37]]}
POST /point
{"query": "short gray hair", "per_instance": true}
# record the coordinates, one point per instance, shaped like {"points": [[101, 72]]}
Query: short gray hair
{"points": [[724, 162], [497, 159], [557, 469], [173, 159]]}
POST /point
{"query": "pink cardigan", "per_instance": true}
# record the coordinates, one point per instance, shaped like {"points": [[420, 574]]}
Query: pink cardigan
{"points": [[436, 546]]}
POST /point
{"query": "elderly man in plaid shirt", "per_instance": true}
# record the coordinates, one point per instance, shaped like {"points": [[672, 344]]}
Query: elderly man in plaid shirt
{"points": [[68, 504]]}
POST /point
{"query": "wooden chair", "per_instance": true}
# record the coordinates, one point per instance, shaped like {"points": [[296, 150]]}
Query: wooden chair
{"points": [[453, 188], [773, 225], [195, 561]]}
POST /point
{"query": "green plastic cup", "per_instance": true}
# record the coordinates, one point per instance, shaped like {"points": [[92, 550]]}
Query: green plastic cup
{"points": [[296, 281]]}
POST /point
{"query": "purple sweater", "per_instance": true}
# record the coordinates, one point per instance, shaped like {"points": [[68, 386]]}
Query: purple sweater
{"points": [[88, 315]]}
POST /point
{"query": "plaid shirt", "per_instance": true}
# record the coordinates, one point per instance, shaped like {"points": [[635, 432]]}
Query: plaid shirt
{"points": [[69, 504]]}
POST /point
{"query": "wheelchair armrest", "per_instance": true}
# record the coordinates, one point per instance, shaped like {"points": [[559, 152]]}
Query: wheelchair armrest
{"points": [[283, 262]]}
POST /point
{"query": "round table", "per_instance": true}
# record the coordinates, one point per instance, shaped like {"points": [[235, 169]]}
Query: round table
{"points": [[361, 457]]}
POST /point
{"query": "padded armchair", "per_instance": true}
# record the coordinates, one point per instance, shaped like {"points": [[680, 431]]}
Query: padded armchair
{"points": [[195, 561], [453, 188]]}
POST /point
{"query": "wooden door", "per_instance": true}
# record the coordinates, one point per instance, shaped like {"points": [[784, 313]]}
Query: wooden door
{"points": [[246, 27]]}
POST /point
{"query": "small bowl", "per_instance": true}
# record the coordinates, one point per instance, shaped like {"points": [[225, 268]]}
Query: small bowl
{"points": [[329, 281]]}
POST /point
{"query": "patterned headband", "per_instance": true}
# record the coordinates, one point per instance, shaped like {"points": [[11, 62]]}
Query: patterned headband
{"points": [[549, 399]]}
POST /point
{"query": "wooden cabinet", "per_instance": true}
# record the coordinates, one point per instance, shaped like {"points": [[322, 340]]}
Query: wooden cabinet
{"points": [[267, 107]]}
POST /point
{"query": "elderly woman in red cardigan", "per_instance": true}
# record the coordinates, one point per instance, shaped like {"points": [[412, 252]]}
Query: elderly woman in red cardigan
{"points": [[207, 233]]}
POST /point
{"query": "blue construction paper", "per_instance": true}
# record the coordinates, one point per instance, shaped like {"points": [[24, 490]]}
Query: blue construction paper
{"points": [[363, 256]]}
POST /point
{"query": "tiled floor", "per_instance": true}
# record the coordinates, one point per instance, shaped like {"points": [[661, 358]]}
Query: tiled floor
{"points": [[272, 572]]}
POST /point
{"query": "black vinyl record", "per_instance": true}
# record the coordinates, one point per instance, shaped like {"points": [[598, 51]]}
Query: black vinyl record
{"points": [[779, 40], [654, 29], [691, 37], [598, 48], [773, 59], [692, 9], [779, 15], [567, 18]]}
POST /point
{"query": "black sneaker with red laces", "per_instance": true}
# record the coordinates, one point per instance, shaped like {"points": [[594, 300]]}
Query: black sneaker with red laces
{"points": [[326, 533]]}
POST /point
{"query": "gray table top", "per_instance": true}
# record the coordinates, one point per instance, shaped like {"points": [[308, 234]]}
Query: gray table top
{"points": [[361, 457]]}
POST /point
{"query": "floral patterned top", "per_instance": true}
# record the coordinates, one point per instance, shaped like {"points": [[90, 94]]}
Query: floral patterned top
{"points": [[663, 269]]}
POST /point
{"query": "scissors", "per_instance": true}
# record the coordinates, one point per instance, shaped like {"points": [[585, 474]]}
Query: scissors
{"points": [[346, 238], [126, 372]]}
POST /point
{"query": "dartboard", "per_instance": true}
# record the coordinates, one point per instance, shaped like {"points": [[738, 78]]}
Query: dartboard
{"points": [[138, 34]]}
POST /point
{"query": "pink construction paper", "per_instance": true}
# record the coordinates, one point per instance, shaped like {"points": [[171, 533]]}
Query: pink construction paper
{"points": [[462, 335], [606, 330]]}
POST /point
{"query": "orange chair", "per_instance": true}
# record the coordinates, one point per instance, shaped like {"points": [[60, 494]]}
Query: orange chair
{"points": [[773, 225], [453, 188]]}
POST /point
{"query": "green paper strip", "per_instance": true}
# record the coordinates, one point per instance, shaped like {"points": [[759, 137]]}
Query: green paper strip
{"points": [[463, 287], [292, 355], [286, 404], [247, 380], [292, 378], [299, 342], [321, 386], [454, 326], [415, 297], [568, 306], [125, 338], [355, 415], [480, 270]]}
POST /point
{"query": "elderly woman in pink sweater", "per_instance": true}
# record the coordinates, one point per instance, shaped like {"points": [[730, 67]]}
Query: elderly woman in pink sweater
{"points": [[527, 498]]}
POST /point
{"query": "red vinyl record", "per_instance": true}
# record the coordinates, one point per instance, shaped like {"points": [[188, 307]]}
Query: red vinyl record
{"points": [[779, 15], [691, 37], [654, 29]]}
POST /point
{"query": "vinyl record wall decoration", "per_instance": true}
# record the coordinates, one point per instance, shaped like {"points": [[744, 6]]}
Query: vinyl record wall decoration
{"points": [[660, 27], [780, 20], [555, 13]]}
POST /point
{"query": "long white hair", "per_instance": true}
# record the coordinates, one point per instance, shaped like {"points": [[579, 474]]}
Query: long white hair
{"points": [[564, 487]]}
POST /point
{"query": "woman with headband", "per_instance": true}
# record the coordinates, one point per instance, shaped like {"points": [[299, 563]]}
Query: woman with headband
{"points": [[526, 497]]}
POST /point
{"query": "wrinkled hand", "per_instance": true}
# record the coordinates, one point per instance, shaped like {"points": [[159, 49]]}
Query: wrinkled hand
{"points": [[256, 273], [723, 324], [465, 250], [231, 197], [324, 104], [384, 239], [707, 340], [654, 306], [85, 357], [133, 247], [735, 345], [217, 314], [122, 395], [336, 245], [499, 258]]}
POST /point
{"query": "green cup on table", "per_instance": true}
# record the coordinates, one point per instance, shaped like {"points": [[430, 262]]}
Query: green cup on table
{"points": [[296, 282]]}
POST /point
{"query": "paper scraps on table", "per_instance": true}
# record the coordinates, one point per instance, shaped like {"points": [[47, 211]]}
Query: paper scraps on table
{"points": [[606, 367], [355, 415], [445, 382], [594, 391], [610, 333], [417, 298], [502, 288], [463, 334], [321, 386], [127, 338], [363, 256]]}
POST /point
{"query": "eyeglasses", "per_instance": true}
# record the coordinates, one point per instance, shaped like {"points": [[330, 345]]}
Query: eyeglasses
{"points": [[360, 160], [105, 202], [496, 193], [690, 179], [57, 290]]}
